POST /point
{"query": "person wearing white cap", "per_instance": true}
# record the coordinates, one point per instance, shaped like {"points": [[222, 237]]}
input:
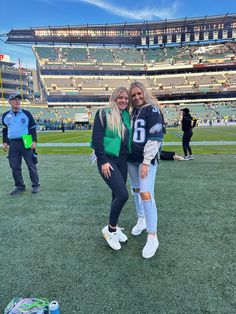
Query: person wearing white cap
{"points": [[18, 123]]}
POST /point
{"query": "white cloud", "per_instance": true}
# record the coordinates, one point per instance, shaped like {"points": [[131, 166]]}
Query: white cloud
{"points": [[146, 13]]}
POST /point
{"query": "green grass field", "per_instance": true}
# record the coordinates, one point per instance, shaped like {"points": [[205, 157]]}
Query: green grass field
{"points": [[200, 134], [51, 243]]}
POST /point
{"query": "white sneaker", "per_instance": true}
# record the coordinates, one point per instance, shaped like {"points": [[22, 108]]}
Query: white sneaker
{"points": [[185, 158], [191, 157], [111, 238], [139, 227], [121, 236], [150, 247]]}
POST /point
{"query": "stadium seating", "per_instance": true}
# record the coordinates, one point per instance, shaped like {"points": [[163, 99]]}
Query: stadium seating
{"points": [[89, 74], [47, 53], [74, 55], [203, 112], [207, 53], [100, 55], [160, 84]]}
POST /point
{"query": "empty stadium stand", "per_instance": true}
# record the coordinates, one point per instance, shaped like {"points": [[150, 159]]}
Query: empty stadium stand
{"points": [[208, 53], [86, 75]]}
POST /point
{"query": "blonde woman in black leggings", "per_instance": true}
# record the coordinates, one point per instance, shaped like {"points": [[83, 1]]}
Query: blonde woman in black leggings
{"points": [[111, 140]]}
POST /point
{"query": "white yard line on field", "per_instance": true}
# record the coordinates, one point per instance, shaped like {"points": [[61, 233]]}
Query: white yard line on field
{"points": [[65, 140], [203, 143]]}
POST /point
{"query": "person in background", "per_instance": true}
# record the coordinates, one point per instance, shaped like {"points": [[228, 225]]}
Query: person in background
{"points": [[164, 155], [148, 132], [62, 126], [111, 140], [16, 123], [188, 123]]}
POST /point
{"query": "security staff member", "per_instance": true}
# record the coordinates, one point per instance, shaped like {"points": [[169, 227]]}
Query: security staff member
{"points": [[17, 122]]}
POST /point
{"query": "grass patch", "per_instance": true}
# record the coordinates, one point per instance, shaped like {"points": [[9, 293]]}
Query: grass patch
{"points": [[211, 149], [205, 134], [51, 244], [65, 150], [200, 134], [78, 136]]}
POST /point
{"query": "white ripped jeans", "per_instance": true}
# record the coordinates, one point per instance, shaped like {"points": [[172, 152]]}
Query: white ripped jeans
{"points": [[144, 208]]}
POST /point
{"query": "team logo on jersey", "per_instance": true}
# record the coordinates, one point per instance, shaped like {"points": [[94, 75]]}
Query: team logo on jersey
{"points": [[155, 109], [22, 120], [156, 128]]}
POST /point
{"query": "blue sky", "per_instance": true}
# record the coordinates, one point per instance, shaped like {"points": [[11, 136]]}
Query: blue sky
{"points": [[26, 13]]}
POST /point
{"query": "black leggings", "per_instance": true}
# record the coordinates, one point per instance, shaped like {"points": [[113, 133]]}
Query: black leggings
{"points": [[117, 183], [186, 140]]}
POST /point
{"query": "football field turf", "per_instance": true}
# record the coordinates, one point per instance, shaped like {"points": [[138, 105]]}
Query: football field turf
{"points": [[218, 136], [51, 243]]}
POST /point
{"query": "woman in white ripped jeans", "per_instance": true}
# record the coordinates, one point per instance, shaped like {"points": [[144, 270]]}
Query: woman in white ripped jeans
{"points": [[148, 132]]}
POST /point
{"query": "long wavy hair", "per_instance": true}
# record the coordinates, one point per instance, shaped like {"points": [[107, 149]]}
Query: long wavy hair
{"points": [[148, 98], [113, 117]]}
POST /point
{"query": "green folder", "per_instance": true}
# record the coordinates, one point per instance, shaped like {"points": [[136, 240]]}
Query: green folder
{"points": [[27, 140]]}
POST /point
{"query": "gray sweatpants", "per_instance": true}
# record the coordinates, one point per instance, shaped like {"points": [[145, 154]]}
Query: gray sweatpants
{"points": [[16, 152]]}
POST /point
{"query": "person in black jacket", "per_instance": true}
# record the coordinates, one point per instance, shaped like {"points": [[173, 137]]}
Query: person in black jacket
{"points": [[188, 123], [111, 140]]}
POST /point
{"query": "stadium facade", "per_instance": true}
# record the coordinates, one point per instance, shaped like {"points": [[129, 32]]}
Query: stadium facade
{"points": [[178, 60], [177, 31], [14, 78]]}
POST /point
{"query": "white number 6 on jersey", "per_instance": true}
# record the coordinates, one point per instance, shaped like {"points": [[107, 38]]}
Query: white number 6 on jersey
{"points": [[139, 131]]}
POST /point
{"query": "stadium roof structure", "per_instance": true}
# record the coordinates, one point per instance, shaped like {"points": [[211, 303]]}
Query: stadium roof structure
{"points": [[172, 31]]}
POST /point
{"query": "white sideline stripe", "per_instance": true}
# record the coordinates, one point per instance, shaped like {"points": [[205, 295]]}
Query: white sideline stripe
{"points": [[203, 143], [67, 139], [67, 150], [62, 144]]}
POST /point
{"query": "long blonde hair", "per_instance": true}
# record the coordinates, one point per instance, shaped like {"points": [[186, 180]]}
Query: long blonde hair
{"points": [[148, 98], [114, 121]]}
